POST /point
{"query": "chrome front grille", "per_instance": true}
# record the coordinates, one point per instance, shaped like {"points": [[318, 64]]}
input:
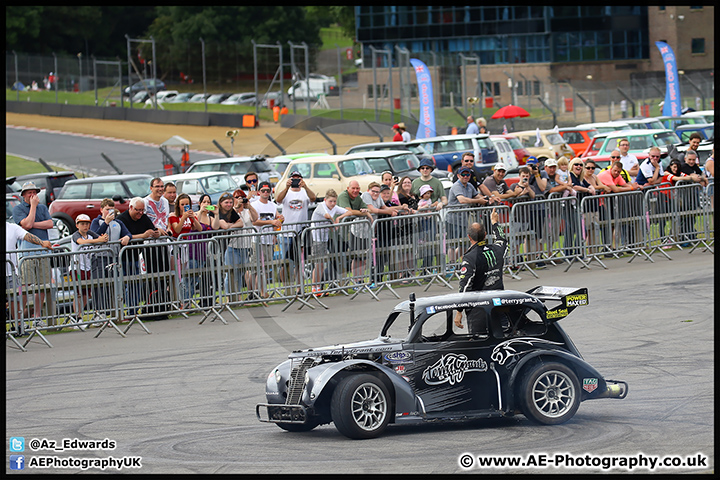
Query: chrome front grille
{"points": [[297, 380]]}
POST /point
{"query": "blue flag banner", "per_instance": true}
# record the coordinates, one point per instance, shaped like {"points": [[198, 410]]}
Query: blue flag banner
{"points": [[672, 106], [426, 129]]}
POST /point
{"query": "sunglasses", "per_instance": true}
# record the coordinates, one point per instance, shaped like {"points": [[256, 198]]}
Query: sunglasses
{"points": [[425, 168], [654, 156], [464, 174], [577, 165], [590, 168], [264, 190], [614, 157], [252, 181], [238, 196]]}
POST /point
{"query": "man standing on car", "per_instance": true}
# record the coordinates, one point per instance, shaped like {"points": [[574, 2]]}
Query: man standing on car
{"points": [[472, 128], [482, 269], [34, 217]]}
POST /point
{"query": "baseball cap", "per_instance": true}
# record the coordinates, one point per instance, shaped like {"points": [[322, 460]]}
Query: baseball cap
{"points": [[28, 186], [384, 187], [424, 189], [531, 160], [464, 170], [296, 173], [82, 218], [396, 126], [426, 162], [264, 184], [500, 166], [551, 162]]}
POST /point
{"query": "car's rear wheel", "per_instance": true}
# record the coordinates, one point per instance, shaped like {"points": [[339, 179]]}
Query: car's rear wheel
{"points": [[549, 393], [64, 228], [360, 407]]}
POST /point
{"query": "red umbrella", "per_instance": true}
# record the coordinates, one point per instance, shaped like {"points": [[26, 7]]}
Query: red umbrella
{"points": [[511, 111]]}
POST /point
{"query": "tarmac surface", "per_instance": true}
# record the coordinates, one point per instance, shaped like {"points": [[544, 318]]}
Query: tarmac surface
{"points": [[183, 397]]}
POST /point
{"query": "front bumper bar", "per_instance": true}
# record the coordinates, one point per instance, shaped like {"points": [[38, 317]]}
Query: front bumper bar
{"points": [[278, 413]]}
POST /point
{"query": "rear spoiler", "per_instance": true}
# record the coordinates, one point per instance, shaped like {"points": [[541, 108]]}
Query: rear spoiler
{"points": [[569, 299]]}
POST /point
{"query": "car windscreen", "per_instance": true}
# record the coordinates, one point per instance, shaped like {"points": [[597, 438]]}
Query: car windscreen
{"points": [[401, 163], [106, 190], [139, 187], [79, 190], [358, 166], [554, 139], [666, 138], [218, 183], [241, 168], [515, 143]]}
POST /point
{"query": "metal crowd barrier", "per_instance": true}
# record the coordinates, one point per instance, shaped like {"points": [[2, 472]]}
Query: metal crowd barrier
{"points": [[215, 270]]}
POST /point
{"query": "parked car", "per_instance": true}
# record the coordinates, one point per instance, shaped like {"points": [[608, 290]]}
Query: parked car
{"points": [[331, 171], [505, 152], [605, 127], [521, 153], [673, 122], [276, 97], [706, 131], [415, 148], [12, 188], [49, 183], [217, 98], [199, 98], [196, 184], [578, 138], [401, 163], [85, 195], [182, 97], [447, 151], [281, 162], [422, 368], [640, 140], [247, 98], [642, 123], [705, 116], [162, 97], [140, 97], [149, 85], [237, 167], [551, 145]]}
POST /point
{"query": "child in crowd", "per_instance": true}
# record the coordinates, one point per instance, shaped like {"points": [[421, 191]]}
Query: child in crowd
{"points": [[425, 202], [563, 175], [82, 263]]}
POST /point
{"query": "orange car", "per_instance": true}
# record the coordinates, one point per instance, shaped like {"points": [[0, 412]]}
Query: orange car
{"points": [[578, 138]]}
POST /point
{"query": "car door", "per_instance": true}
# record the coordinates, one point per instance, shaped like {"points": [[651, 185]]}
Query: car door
{"points": [[452, 372]]}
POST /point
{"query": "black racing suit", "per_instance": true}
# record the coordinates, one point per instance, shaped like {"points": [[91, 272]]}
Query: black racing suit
{"points": [[482, 269]]}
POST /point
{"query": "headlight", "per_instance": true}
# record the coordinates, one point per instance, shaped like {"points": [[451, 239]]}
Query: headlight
{"points": [[307, 377], [278, 377]]}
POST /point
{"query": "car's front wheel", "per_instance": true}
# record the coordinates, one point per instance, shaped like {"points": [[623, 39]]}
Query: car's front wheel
{"points": [[360, 407], [550, 393]]}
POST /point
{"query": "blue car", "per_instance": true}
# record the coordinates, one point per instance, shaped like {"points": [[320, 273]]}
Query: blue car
{"points": [[447, 150], [706, 130]]}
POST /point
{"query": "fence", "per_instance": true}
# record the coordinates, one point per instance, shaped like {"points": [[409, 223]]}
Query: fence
{"points": [[214, 271]]}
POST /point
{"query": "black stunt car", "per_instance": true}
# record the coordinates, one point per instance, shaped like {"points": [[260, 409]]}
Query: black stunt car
{"points": [[433, 371]]}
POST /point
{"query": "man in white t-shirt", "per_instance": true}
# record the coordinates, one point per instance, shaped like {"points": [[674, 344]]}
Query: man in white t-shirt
{"points": [[295, 198], [326, 212], [157, 206], [268, 221], [629, 161]]}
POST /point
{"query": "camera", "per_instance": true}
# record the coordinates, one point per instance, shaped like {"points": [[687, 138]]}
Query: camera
{"points": [[210, 208], [244, 200], [395, 178], [187, 207], [294, 182]]}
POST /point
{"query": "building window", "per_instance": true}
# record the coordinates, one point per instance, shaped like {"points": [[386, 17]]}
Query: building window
{"points": [[697, 46]]}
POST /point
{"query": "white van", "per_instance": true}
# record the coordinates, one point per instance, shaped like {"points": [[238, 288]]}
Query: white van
{"points": [[318, 86]]}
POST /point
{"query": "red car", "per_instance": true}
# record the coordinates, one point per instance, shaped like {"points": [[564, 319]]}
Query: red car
{"points": [[578, 138], [86, 194], [521, 153]]}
